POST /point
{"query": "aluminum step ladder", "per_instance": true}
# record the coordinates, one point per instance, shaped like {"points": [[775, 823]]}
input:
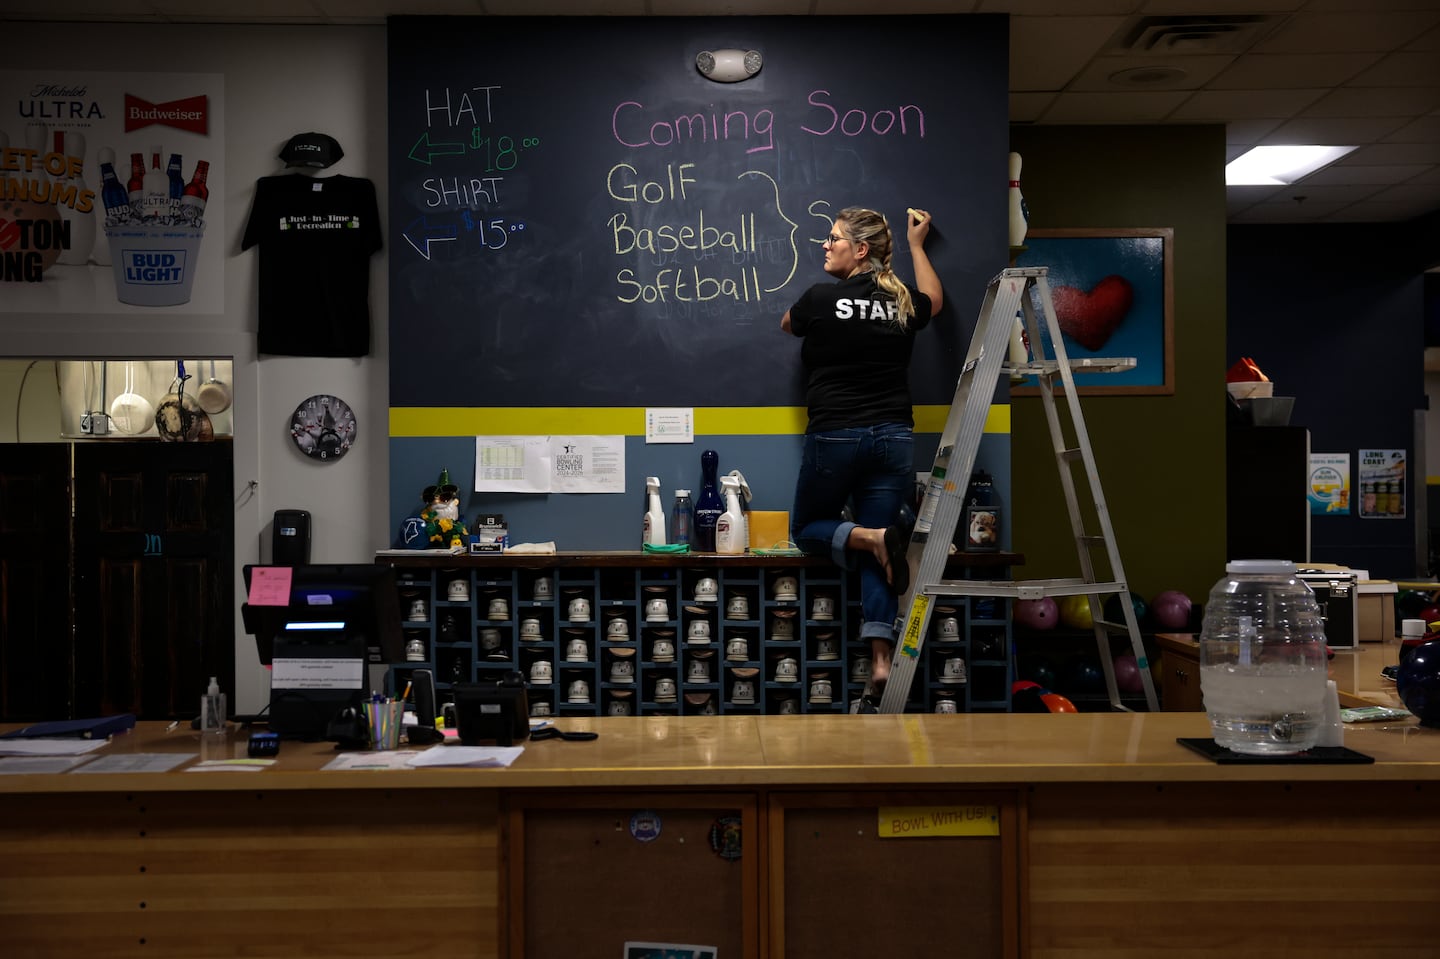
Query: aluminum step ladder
{"points": [[1014, 293]]}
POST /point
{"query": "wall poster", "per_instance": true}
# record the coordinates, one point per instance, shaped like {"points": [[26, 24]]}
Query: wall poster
{"points": [[1328, 485], [1382, 484], [104, 183]]}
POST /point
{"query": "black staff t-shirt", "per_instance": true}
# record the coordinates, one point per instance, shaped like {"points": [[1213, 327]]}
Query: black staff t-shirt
{"points": [[316, 236]]}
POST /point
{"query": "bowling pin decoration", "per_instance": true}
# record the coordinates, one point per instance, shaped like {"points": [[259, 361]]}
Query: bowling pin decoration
{"points": [[1019, 215], [1019, 223], [82, 223]]}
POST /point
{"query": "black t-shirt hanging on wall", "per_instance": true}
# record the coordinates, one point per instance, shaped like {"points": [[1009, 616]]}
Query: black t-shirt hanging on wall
{"points": [[316, 237]]}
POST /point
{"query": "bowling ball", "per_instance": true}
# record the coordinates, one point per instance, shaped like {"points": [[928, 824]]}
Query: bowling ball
{"points": [[1042, 673], [1037, 613], [1115, 614], [1025, 697], [1056, 703], [1409, 603], [1084, 676], [1428, 613], [1418, 683], [1171, 609], [1075, 612], [1127, 674]]}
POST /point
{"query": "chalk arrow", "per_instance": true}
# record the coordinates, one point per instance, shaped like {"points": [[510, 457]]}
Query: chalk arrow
{"points": [[424, 234], [424, 151]]}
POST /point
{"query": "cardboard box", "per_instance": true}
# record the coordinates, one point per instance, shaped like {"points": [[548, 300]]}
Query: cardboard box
{"points": [[769, 528], [1376, 609]]}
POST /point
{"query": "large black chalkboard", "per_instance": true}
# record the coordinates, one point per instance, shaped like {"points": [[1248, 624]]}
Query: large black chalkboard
{"points": [[578, 217]]}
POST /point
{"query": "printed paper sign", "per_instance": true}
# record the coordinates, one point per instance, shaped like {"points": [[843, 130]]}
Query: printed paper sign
{"points": [[908, 822]]}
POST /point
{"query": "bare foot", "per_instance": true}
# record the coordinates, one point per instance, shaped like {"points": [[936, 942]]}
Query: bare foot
{"points": [[865, 539], [881, 651]]}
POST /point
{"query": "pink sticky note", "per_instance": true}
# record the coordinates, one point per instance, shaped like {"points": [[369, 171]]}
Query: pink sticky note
{"points": [[270, 586]]}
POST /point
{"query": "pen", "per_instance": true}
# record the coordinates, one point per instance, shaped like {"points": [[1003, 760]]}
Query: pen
{"points": [[406, 693], [171, 728]]}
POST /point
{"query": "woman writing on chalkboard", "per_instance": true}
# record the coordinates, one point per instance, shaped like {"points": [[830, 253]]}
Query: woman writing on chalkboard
{"points": [[858, 334]]}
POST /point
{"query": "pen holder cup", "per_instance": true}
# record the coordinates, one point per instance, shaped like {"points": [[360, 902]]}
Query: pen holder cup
{"points": [[385, 720]]}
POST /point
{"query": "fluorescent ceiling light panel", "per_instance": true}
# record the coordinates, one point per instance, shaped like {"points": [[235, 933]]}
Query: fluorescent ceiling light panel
{"points": [[1280, 165]]}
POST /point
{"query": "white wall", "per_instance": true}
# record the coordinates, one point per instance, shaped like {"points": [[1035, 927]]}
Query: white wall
{"points": [[278, 81]]}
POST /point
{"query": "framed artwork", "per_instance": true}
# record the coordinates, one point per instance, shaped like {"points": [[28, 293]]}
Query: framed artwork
{"points": [[1113, 296]]}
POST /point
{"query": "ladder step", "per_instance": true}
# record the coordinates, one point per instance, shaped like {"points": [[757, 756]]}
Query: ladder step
{"points": [[1019, 589], [1071, 455], [1112, 627], [1093, 364], [1093, 541]]}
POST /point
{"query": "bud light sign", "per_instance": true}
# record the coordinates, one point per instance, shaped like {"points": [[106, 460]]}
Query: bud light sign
{"points": [[152, 264]]}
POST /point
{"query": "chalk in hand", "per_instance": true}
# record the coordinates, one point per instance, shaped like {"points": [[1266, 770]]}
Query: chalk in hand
{"points": [[915, 214]]}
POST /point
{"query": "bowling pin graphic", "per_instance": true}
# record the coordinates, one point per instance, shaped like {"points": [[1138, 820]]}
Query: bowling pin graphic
{"points": [[1019, 223], [82, 222]]}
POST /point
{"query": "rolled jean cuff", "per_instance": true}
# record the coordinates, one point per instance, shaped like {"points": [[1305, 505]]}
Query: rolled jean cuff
{"points": [[886, 631], [838, 552]]}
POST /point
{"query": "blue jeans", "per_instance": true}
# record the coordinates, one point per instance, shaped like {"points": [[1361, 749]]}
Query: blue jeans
{"points": [[871, 468]]}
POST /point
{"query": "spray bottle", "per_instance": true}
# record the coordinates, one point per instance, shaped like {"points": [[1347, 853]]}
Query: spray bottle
{"points": [[654, 534], [212, 709], [730, 535]]}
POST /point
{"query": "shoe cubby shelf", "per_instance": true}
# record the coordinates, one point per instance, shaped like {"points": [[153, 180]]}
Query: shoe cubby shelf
{"points": [[701, 634]]}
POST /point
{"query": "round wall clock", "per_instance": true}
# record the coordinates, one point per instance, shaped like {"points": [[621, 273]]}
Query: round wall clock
{"points": [[323, 427]]}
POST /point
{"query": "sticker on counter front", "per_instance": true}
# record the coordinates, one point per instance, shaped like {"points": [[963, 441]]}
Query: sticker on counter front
{"points": [[645, 826], [909, 822], [317, 673]]}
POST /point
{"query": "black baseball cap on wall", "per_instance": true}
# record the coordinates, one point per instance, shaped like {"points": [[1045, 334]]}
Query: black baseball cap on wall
{"points": [[311, 149]]}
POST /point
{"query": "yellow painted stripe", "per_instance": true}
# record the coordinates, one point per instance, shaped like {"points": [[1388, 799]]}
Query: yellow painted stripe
{"points": [[630, 420]]}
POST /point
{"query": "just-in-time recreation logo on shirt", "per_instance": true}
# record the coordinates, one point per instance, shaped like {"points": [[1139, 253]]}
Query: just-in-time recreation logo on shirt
{"points": [[331, 221]]}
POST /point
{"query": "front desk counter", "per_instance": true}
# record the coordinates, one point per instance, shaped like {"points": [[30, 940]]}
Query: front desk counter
{"points": [[1081, 836]]}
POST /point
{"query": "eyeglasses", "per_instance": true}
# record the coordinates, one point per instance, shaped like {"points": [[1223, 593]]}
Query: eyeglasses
{"points": [[832, 239]]}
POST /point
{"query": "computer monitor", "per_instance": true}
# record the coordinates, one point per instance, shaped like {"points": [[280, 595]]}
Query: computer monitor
{"points": [[337, 619]]}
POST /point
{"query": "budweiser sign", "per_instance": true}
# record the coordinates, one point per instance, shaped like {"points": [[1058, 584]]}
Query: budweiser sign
{"points": [[188, 113]]}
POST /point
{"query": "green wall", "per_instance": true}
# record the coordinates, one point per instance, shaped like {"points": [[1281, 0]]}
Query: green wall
{"points": [[1161, 458]]}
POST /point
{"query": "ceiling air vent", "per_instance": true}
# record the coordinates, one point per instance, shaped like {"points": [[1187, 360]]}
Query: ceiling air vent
{"points": [[1219, 34]]}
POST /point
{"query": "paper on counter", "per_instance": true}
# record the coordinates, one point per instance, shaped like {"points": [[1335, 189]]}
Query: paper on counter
{"points": [[49, 747], [230, 765], [470, 756], [382, 759], [38, 765], [136, 763]]}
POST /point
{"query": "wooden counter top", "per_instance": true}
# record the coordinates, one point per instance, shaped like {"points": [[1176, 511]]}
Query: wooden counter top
{"points": [[755, 751]]}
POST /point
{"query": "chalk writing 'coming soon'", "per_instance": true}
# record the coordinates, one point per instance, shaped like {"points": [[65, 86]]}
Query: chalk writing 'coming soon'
{"points": [[629, 119]]}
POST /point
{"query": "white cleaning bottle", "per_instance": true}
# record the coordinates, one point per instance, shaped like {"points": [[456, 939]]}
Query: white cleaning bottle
{"points": [[654, 516], [212, 709], [730, 537]]}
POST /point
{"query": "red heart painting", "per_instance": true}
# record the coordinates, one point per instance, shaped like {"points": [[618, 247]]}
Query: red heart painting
{"points": [[1090, 318]]}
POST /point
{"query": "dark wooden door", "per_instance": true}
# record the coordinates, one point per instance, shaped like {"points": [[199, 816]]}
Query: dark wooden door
{"points": [[35, 621], [154, 608]]}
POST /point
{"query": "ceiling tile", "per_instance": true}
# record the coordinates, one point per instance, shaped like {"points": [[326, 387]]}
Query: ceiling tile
{"points": [[1425, 194], [1291, 70], [1045, 52], [1402, 69], [830, 8], [1371, 211], [1192, 73], [1029, 107], [359, 10], [99, 10], [1419, 130], [1113, 107], [1345, 32], [1246, 104], [1430, 41], [1371, 175], [1244, 133], [1393, 154], [1353, 101], [1342, 6], [1058, 8], [1285, 212], [1172, 8], [1336, 130]]}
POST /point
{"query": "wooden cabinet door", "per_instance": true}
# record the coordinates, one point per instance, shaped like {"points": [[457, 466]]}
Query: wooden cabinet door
{"points": [[35, 624], [154, 605]]}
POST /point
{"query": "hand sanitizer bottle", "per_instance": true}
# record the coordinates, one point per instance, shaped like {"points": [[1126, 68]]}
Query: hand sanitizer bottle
{"points": [[212, 709], [654, 515]]}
